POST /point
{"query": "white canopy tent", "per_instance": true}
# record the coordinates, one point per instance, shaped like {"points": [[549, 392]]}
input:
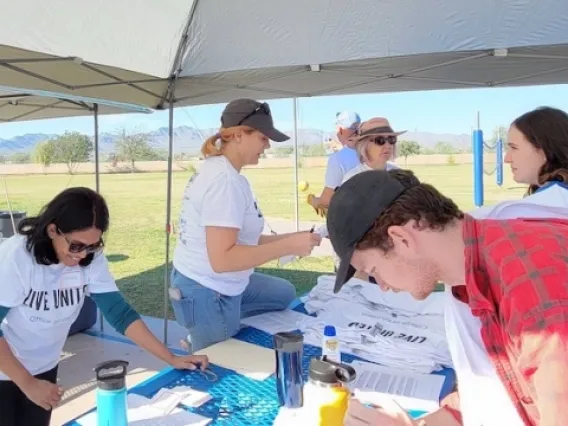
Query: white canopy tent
{"points": [[218, 50], [191, 52]]}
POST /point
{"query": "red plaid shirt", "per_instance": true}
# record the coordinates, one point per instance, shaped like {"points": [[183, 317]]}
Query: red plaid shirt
{"points": [[517, 284]]}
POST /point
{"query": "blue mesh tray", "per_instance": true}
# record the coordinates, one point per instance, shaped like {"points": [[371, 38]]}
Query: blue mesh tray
{"points": [[237, 400]]}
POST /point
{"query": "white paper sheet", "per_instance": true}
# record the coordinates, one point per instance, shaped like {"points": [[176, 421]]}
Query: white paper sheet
{"points": [[276, 322], [165, 401], [140, 413], [413, 391]]}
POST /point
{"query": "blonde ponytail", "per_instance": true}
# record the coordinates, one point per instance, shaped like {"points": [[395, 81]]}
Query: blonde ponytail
{"points": [[213, 145]]}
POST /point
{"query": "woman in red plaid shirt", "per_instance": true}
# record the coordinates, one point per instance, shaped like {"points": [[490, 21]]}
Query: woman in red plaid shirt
{"points": [[410, 237]]}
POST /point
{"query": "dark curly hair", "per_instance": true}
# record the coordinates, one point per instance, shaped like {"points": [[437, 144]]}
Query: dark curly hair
{"points": [[546, 128], [420, 202], [74, 209]]}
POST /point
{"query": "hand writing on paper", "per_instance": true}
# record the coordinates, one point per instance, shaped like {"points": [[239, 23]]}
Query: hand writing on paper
{"points": [[190, 362], [359, 414]]}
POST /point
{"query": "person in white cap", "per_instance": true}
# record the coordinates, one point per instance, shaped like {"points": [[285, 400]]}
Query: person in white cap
{"points": [[340, 162]]}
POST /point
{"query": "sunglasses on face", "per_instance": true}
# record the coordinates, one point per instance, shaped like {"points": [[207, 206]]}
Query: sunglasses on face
{"points": [[261, 109], [381, 140], [77, 247]]}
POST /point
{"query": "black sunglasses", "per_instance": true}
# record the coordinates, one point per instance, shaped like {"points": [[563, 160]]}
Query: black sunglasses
{"points": [[77, 247], [262, 108], [381, 140]]}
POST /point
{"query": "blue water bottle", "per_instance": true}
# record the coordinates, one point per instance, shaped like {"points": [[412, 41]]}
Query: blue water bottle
{"points": [[289, 348], [111, 393]]}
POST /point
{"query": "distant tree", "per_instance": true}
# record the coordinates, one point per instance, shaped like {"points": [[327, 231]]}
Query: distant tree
{"points": [[444, 148], [72, 148], [3, 158], [499, 132], [19, 157], [407, 148], [44, 153], [134, 147], [283, 151], [316, 150], [112, 158]]}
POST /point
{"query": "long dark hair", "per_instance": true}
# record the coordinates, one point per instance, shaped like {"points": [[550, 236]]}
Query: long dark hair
{"points": [[546, 128], [74, 209]]}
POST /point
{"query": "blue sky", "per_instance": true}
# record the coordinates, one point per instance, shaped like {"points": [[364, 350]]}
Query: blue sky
{"points": [[448, 111]]}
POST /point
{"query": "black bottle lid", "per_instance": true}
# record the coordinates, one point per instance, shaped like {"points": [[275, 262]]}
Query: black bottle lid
{"points": [[325, 371], [288, 342], [111, 375]]}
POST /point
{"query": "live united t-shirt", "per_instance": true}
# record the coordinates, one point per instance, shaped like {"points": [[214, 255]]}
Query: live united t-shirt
{"points": [[44, 302], [219, 196]]}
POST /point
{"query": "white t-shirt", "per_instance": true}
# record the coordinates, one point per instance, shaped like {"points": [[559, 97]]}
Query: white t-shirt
{"points": [[338, 164], [551, 201], [363, 167], [44, 302], [217, 195], [392, 329]]}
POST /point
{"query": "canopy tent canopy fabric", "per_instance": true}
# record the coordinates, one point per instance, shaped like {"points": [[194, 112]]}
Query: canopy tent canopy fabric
{"points": [[21, 105], [211, 51]]}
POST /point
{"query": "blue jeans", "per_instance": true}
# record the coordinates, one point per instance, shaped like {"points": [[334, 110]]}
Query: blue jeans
{"points": [[211, 317]]}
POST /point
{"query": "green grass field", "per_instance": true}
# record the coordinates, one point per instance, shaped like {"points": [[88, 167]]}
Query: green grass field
{"points": [[136, 240]]}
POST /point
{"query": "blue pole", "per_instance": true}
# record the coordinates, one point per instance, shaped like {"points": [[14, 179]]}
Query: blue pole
{"points": [[478, 167], [499, 165]]}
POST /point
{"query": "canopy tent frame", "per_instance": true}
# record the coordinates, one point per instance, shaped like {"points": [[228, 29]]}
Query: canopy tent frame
{"points": [[219, 87]]}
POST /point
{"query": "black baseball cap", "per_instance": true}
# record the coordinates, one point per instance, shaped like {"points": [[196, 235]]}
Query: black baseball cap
{"points": [[352, 211], [256, 115]]}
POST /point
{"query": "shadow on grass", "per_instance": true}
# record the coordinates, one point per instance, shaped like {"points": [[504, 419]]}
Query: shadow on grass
{"points": [[145, 290], [113, 258]]}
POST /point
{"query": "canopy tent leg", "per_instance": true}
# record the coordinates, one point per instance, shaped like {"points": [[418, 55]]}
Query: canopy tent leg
{"points": [[296, 177], [97, 178], [168, 218]]}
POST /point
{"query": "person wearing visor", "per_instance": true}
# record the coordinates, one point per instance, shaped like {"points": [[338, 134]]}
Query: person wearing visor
{"points": [[45, 272], [510, 275], [374, 142], [220, 241], [340, 162]]}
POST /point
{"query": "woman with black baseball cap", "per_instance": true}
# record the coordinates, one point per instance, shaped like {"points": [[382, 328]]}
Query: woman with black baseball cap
{"points": [[221, 242]]}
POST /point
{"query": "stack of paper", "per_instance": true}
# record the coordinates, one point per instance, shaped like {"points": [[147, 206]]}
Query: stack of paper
{"points": [[412, 391]]}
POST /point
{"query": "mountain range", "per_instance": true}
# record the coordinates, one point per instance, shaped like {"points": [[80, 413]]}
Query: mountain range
{"points": [[189, 139]]}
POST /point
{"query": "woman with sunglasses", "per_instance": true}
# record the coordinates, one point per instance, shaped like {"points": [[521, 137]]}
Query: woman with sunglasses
{"points": [[374, 143], [220, 241], [45, 272]]}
